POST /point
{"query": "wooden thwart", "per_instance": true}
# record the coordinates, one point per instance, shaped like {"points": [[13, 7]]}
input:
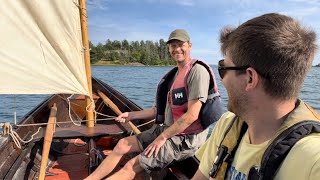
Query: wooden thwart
{"points": [[98, 130], [114, 108]]}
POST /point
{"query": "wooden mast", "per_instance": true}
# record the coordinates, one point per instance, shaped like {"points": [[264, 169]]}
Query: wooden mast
{"points": [[85, 40]]}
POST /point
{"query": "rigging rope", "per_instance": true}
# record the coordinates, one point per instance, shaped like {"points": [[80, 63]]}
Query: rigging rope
{"points": [[69, 111], [87, 110], [64, 122], [16, 138]]}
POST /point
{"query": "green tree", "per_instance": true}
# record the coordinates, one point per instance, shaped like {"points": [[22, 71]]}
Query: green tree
{"points": [[122, 52]]}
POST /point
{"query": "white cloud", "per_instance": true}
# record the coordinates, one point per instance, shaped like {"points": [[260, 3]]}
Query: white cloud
{"points": [[97, 4], [172, 2], [185, 2], [306, 1], [302, 12]]}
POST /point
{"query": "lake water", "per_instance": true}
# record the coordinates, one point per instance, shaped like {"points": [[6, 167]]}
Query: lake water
{"points": [[139, 85]]}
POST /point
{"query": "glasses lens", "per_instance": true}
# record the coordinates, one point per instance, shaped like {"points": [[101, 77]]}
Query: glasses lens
{"points": [[220, 70], [221, 63], [223, 69]]}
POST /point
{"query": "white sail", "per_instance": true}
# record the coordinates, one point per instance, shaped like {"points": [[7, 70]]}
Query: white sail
{"points": [[41, 47]]}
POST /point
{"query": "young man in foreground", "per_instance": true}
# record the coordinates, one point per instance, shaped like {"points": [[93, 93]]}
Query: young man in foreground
{"points": [[266, 60]]}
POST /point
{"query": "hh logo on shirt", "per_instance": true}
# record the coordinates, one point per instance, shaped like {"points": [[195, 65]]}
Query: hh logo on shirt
{"points": [[179, 96]]}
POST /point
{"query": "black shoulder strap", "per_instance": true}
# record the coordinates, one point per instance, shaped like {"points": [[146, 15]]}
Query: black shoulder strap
{"points": [[280, 147], [208, 68], [161, 95], [222, 155], [211, 110], [243, 130]]}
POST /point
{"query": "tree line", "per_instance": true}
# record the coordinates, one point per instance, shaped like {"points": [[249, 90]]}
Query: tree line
{"points": [[123, 52]]}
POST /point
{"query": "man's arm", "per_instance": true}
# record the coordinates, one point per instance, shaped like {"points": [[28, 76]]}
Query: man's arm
{"points": [[184, 121], [147, 114], [178, 126], [199, 176]]}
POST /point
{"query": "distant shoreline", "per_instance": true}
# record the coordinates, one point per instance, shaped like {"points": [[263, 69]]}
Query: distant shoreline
{"points": [[114, 64], [140, 64], [117, 64]]}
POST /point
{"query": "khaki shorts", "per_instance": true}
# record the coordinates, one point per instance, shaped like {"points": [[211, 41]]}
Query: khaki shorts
{"points": [[177, 148]]}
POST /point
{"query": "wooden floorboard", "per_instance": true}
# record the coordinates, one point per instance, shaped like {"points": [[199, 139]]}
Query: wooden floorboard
{"points": [[73, 165], [70, 167]]}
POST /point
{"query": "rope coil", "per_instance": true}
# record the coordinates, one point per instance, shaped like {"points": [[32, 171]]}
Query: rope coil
{"points": [[15, 137]]}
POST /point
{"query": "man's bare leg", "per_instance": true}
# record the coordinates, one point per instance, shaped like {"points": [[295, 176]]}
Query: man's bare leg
{"points": [[124, 146], [129, 171]]}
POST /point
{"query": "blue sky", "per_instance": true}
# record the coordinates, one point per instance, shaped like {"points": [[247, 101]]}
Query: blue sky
{"points": [[203, 19]]}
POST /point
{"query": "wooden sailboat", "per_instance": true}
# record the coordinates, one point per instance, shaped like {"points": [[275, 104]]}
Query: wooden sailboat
{"points": [[68, 134]]}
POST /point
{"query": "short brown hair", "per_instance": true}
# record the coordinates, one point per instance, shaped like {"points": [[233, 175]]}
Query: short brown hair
{"points": [[277, 46]]}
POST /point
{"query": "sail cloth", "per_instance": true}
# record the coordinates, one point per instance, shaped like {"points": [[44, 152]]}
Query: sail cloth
{"points": [[41, 48]]}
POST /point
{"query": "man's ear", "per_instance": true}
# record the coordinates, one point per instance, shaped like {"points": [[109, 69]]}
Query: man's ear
{"points": [[252, 79]]}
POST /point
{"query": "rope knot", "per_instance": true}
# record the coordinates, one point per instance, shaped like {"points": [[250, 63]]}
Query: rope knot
{"points": [[6, 128]]}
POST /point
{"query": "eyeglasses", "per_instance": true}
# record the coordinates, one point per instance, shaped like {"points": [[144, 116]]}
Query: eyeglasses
{"points": [[223, 69]]}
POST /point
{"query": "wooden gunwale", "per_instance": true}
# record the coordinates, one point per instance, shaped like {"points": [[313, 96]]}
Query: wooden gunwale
{"points": [[62, 166]]}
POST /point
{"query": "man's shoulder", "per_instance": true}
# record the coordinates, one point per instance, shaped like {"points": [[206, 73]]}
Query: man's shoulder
{"points": [[309, 145], [226, 118], [199, 67], [303, 160], [306, 149], [222, 124], [199, 70]]}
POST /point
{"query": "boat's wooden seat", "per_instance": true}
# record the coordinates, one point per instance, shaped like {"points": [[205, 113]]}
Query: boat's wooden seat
{"points": [[98, 130]]}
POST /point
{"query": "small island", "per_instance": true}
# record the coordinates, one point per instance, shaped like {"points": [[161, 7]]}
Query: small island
{"points": [[134, 53], [318, 65]]}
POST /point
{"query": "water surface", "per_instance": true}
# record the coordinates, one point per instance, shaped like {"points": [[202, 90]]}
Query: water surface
{"points": [[139, 84]]}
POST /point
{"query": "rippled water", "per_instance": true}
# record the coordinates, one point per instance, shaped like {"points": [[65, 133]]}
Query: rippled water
{"points": [[139, 85]]}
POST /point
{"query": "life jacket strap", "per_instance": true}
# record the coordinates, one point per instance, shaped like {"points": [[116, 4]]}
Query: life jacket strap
{"points": [[281, 146], [222, 156]]}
